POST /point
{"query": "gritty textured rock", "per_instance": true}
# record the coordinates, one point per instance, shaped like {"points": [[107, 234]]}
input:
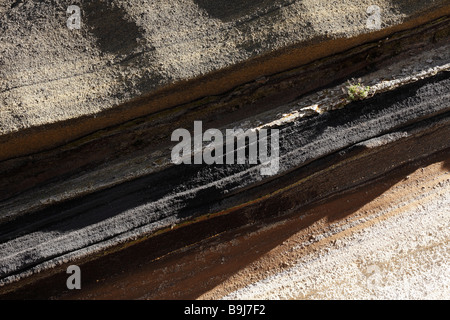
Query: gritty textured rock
{"points": [[130, 49]]}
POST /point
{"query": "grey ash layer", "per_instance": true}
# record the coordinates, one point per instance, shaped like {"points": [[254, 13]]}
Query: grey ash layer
{"points": [[130, 48]]}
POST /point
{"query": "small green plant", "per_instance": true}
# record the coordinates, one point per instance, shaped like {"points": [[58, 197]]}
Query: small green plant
{"points": [[357, 91]]}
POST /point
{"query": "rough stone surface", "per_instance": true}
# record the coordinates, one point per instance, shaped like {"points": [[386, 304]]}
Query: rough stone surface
{"points": [[133, 59], [118, 215], [131, 49]]}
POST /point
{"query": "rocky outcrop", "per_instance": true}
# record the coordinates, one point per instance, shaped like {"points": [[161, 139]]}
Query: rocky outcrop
{"points": [[87, 117], [132, 58]]}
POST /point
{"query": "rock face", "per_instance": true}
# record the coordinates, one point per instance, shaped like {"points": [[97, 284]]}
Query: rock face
{"points": [[133, 58], [87, 115]]}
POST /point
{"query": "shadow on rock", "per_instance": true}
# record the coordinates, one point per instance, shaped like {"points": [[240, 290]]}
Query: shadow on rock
{"points": [[114, 32]]}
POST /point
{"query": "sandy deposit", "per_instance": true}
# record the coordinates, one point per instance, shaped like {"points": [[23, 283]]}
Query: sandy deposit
{"points": [[132, 49], [394, 247]]}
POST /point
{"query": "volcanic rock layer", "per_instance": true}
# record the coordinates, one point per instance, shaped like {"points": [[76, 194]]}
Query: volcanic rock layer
{"points": [[85, 147]]}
